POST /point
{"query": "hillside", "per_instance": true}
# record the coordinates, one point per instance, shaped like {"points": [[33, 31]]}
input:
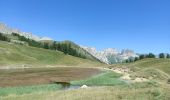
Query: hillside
{"points": [[16, 55], [73, 49], [150, 68], [155, 69], [161, 64], [68, 47]]}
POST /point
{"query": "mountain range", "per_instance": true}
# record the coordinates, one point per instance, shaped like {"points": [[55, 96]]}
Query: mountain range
{"points": [[108, 56], [111, 55], [8, 30]]}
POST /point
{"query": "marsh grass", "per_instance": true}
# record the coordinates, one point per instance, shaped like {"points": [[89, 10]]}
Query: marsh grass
{"points": [[141, 91], [107, 78], [28, 89]]}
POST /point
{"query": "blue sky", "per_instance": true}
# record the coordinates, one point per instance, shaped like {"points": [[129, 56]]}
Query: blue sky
{"points": [[140, 25]]}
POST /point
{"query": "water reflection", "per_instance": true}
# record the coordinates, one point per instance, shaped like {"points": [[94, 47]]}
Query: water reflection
{"points": [[67, 85]]}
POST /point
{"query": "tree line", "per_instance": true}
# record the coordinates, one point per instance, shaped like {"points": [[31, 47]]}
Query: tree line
{"points": [[30, 42], [150, 55], [65, 47], [4, 38]]}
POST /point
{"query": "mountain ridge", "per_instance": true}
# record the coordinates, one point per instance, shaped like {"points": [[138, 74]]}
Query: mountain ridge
{"points": [[111, 55], [4, 28]]}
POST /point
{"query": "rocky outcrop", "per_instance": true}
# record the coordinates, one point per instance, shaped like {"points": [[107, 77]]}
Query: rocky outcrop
{"points": [[111, 55]]}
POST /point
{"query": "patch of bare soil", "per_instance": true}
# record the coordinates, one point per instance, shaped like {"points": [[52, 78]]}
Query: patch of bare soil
{"points": [[35, 76]]}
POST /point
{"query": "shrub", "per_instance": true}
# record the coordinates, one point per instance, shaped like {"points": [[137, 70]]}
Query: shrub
{"points": [[168, 81]]}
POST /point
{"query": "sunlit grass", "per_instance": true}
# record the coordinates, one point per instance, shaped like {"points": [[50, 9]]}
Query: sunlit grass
{"points": [[139, 91], [28, 89], [107, 78], [13, 55]]}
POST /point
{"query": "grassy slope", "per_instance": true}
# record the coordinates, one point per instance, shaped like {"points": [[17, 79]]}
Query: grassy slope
{"points": [[161, 64], [157, 69], [74, 46], [13, 54]]}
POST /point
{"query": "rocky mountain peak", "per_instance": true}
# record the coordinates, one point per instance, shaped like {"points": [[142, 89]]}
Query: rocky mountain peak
{"points": [[8, 30], [111, 55]]}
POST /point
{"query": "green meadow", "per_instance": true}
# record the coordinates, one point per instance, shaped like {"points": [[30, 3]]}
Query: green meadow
{"points": [[107, 78]]}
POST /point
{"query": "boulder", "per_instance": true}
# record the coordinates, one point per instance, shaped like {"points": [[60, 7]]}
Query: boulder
{"points": [[84, 86]]}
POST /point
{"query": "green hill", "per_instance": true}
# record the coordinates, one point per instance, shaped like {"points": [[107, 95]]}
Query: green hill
{"points": [[67, 47], [75, 50], [161, 64], [12, 54], [153, 68]]}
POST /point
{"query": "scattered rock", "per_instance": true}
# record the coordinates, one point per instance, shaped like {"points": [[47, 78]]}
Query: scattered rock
{"points": [[84, 86], [126, 77], [121, 70], [138, 79]]}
